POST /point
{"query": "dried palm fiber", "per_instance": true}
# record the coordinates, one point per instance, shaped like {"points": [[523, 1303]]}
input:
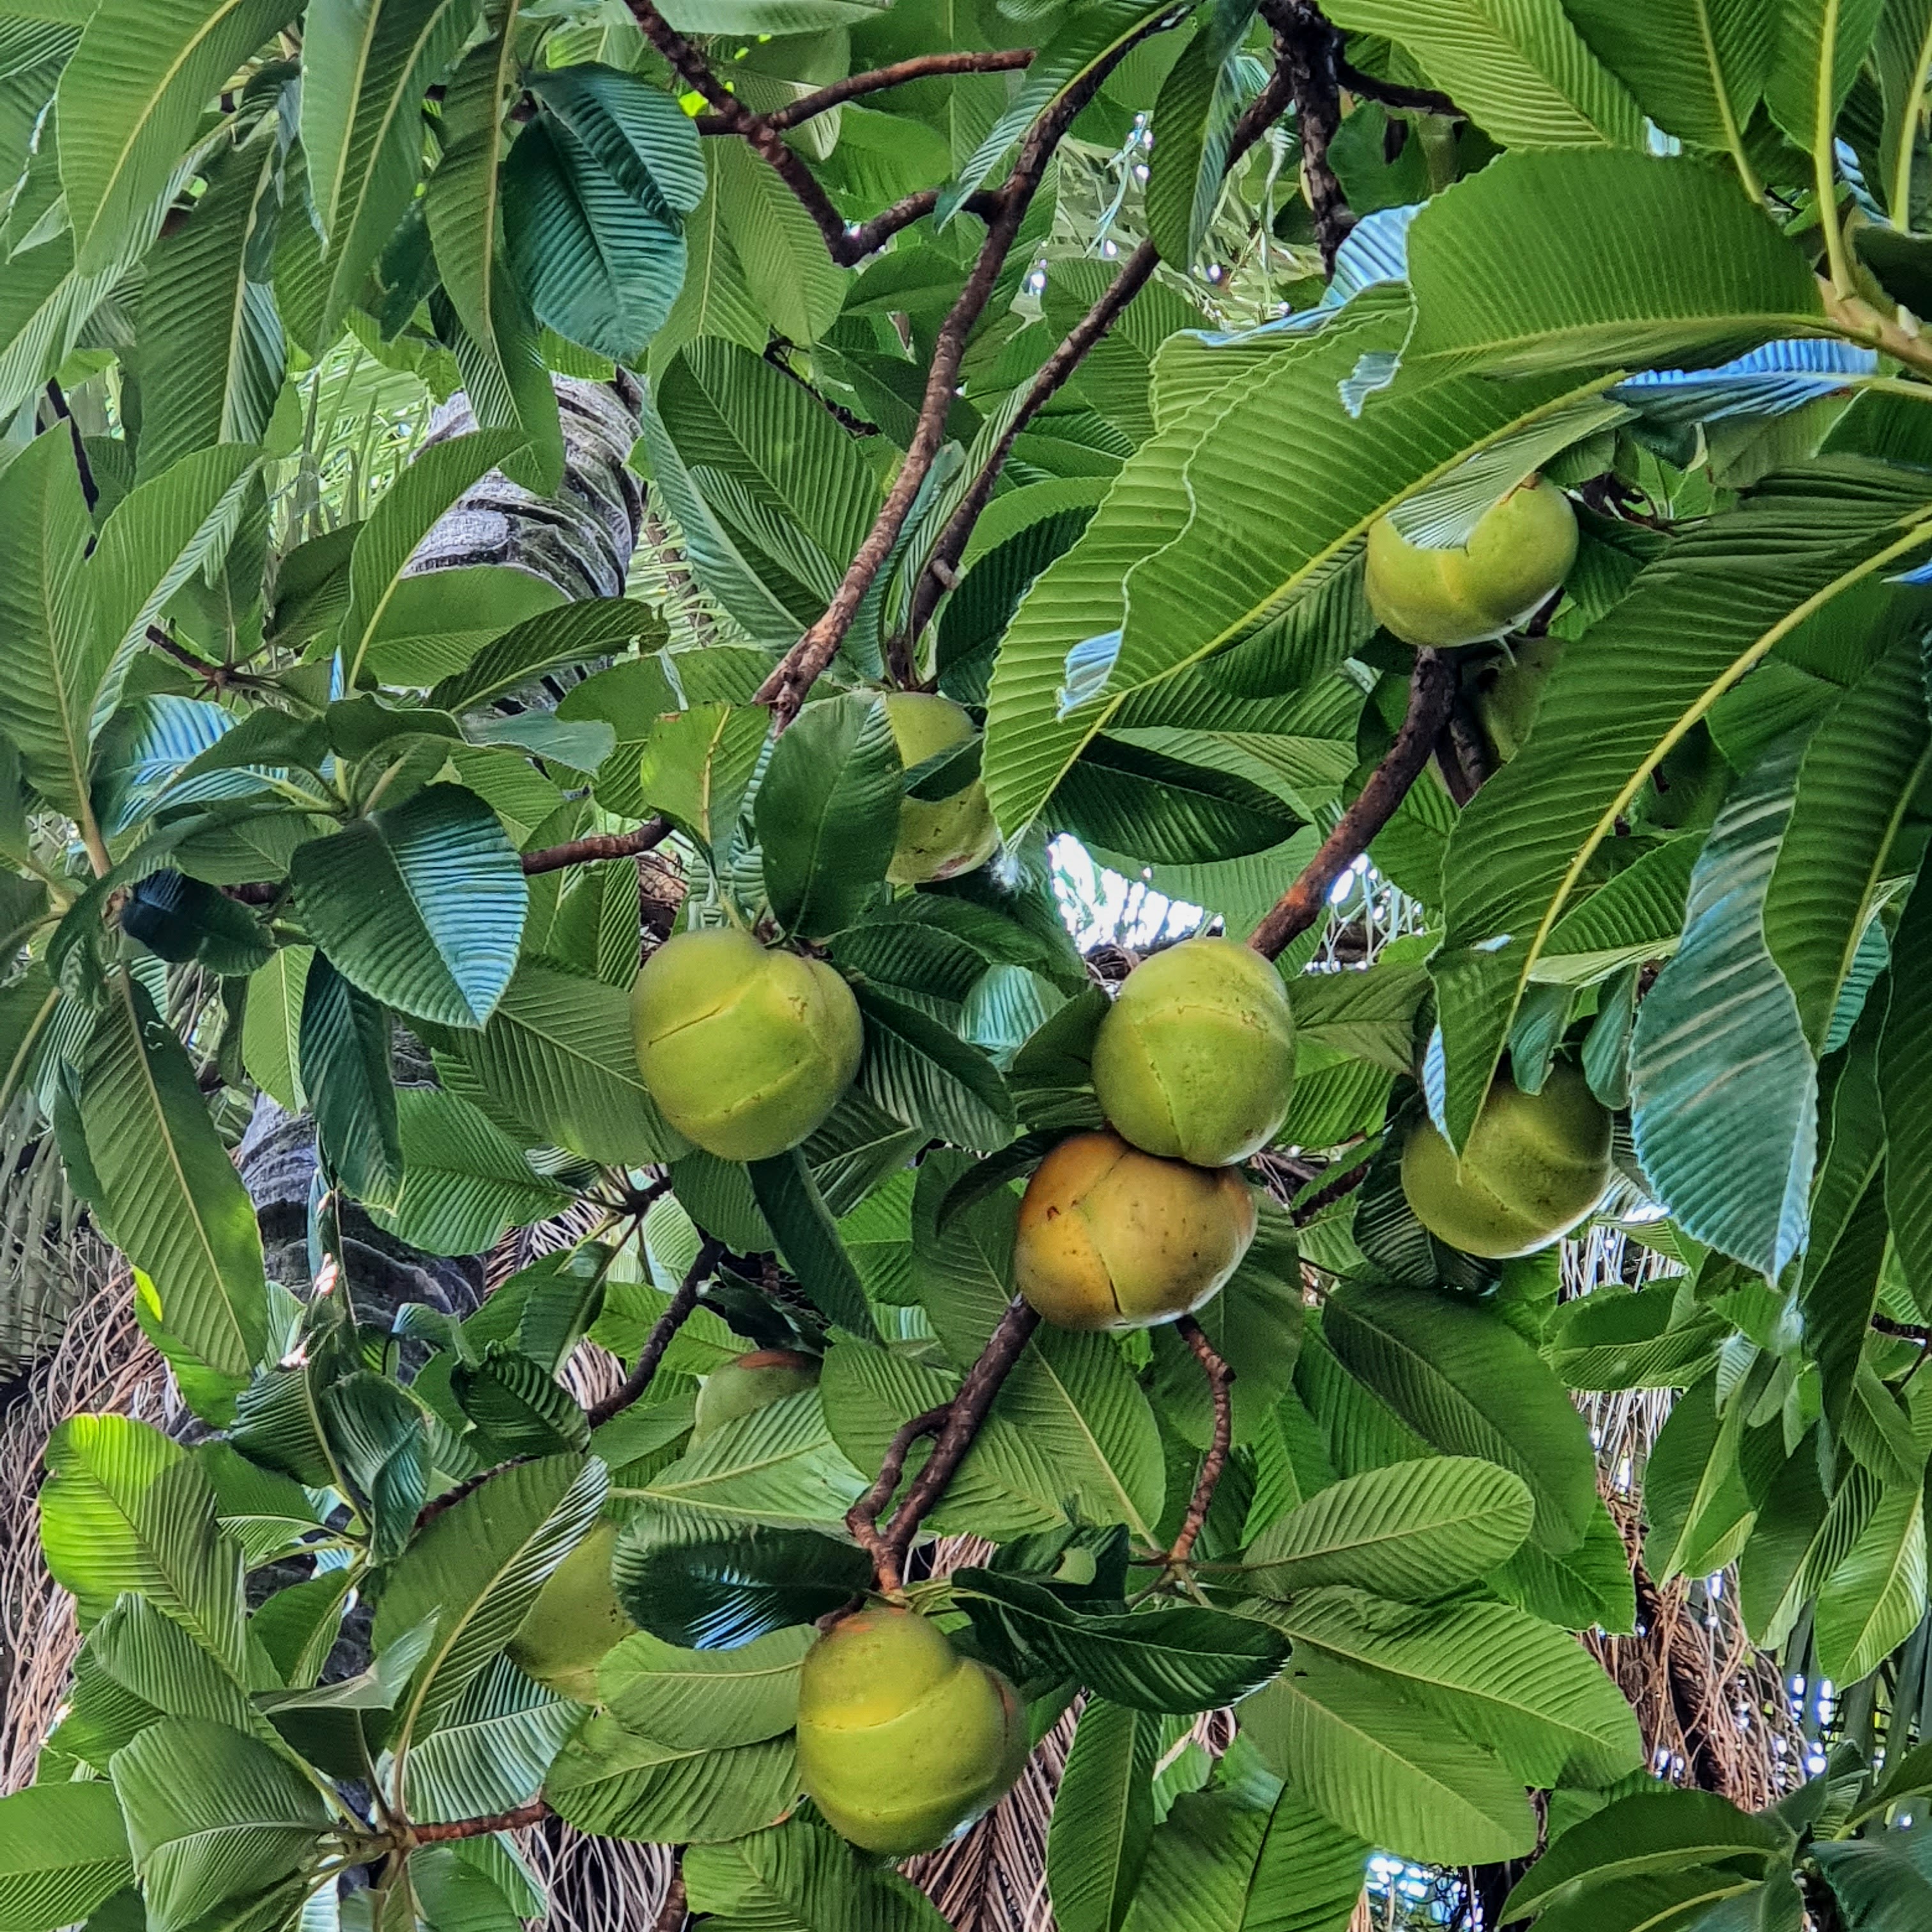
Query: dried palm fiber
{"points": [[102, 1364], [40, 1216]]}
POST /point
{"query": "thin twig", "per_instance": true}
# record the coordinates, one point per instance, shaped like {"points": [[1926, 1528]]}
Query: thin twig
{"points": [[1325, 1197], [663, 1332], [90, 491], [598, 845], [846, 245], [958, 1424], [1220, 1392], [1390, 94], [938, 575], [862, 1518], [1432, 690], [921, 67], [534, 1813], [785, 690]]}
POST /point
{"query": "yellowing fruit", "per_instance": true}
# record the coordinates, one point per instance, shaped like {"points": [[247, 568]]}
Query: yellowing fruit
{"points": [[1111, 1238], [1195, 1058], [748, 1383], [746, 1048], [1519, 551], [939, 837], [900, 1740], [576, 1621], [1534, 1165]]}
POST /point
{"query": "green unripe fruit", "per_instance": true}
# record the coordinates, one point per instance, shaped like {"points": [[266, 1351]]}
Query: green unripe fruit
{"points": [[1195, 1058], [750, 1382], [1520, 550], [576, 1621], [746, 1048], [939, 837], [1534, 1165], [1110, 1237], [900, 1740]]}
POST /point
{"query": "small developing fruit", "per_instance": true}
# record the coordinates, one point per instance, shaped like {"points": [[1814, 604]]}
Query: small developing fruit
{"points": [[1508, 693], [900, 1740], [1195, 1058], [939, 837], [1520, 550], [749, 1382], [746, 1048], [1534, 1165], [1111, 1238], [576, 1621]]}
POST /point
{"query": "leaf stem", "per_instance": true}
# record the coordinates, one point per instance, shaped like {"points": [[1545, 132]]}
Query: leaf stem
{"points": [[1824, 165]]}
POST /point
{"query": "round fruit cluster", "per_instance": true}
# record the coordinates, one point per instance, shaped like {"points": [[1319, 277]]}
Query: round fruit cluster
{"points": [[1146, 1220]]}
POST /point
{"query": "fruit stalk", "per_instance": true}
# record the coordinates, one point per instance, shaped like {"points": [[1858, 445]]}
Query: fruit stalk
{"points": [[662, 1332], [1220, 1391], [1432, 694], [956, 1425]]}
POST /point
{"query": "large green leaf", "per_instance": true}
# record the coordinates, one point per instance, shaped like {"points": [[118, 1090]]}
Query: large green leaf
{"points": [[167, 1187], [788, 1198], [366, 64], [421, 906], [1635, 259], [1657, 1831], [827, 814], [489, 1754], [1816, 59], [920, 1070], [1386, 1769], [477, 1570], [1863, 767], [1722, 1090], [49, 654], [464, 1181], [1124, 798], [1528, 1690], [99, 1467], [705, 1699], [405, 514], [1097, 1840], [1884, 1883], [558, 1056], [1163, 1660], [345, 1074], [1415, 1530], [1218, 1863], [1716, 604], [209, 344], [1468, 1384], [1905, 1089], [131, 100], [63, 1851], [778, 1466], [211, 1814], [600, 266], [798, 1877], [1875, 1599], [1522, 73], [608, 1781]]}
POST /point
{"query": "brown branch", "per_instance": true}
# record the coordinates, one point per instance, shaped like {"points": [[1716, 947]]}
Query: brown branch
{"points": [[1390, 94], [1220, 1391], [785, 690], [922, 67], [1337, 1189], [862, 1518], [90, 491], [598, 845], [663, 1332], [956, 1425], [534, 1813], [1902, 1331], [938, 576], [1431, 691], [1307, 49]]}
